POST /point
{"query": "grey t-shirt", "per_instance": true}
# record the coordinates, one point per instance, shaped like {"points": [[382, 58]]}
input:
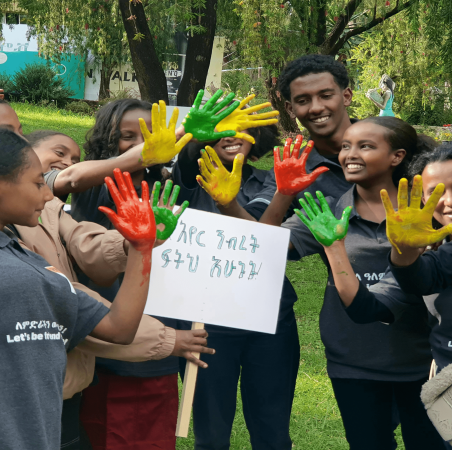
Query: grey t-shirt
{"points": [[375, 351], [43, 317]]}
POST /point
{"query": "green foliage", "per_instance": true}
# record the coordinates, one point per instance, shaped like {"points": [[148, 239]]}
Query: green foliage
{"points": [[79, 107], [6, 82], [399, 47], [37, 82]]}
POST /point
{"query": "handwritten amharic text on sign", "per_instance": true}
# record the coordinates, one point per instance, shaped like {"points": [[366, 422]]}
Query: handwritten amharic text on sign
{"points": [[221, 271]]}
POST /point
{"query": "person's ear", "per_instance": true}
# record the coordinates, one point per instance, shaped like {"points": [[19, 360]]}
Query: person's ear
{"points": [[289, 109], [398, 156], [348, 96], [253, 158]]}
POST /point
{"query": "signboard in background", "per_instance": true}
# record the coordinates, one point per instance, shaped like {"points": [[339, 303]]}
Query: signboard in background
{"points": [[17, 51], [124, 77], [221, 271]]}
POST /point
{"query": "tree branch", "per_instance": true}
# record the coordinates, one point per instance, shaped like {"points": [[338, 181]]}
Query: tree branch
{"points": [[341, 24], [332, 50]]}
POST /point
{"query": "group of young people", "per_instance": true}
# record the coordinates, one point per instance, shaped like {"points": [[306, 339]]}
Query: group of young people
{"points": [[94, 372]]}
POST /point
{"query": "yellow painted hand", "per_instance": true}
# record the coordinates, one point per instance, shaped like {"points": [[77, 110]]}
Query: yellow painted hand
{"points": [[160, 146], [220, 184], [411, 226], [241, 119]]}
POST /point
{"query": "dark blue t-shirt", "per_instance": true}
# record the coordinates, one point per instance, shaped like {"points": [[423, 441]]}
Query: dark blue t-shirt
{"points": [[85, 207]]}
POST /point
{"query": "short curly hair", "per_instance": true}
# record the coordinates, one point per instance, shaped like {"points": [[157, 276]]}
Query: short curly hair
{"points": [[308, 64]]}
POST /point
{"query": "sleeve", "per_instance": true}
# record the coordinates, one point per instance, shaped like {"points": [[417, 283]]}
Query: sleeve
{"points": [[50, 178], [384, 301], [303, 240], [89, 313], [98, 252], [153, 340], [259, 203], [430, 274]]}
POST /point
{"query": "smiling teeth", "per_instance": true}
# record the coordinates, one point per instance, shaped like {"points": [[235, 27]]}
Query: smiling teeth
{"points": [[232, 147], [320, 119], [354, 166]]}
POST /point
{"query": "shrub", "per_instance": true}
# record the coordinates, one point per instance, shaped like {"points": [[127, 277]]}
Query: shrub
{"points": [[36, 83], [6, 83], [79, 107]]}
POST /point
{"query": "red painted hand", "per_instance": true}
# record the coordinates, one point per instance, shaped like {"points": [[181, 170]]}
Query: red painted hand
{"points": [[134, 218], [290, 173]]}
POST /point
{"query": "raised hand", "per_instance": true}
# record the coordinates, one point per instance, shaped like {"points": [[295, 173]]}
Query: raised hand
{"points": [[160, 146], [163, 209], [201, 123], [134, 219], [322, 224], [243, 119], [221, 185], [411, 226], [290, 173]]}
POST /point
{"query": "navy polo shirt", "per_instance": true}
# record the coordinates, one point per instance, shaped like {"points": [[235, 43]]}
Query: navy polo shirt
{"points": [[373, 351], [429, 276], [331, 183], [43, 317]]}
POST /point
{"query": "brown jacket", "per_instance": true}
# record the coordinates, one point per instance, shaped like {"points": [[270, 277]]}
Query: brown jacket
{"points": [[99, 253]]}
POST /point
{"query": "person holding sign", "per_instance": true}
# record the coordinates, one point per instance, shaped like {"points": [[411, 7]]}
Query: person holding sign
{"points": [[369, 365], [38, 333], [267, 383]]}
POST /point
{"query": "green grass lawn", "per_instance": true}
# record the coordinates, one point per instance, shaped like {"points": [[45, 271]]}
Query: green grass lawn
{"points": [[316, 423]]}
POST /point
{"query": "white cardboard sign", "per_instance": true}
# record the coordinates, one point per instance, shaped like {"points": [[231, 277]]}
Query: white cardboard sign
{"points": [[221, 271]]}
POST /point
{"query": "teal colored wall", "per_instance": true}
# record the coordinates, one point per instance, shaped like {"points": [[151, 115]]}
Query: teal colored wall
{"points": [[73, 76]]}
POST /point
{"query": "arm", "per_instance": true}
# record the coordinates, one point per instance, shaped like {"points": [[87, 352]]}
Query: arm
{"points": [[135, 221], [99, 253], [86, 174], [386, 97], [159, 147]]}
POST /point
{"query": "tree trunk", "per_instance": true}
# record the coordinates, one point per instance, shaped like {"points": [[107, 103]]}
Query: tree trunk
{"points": [[277, 100], [105, 76], [150, 75], [199, 52]]}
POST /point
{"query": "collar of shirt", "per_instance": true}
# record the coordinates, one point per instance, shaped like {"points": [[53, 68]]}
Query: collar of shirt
{"points": [[347, 199], [258, 174], [6, 239]]}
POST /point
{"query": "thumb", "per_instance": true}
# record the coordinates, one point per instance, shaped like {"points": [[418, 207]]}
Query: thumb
{"points": [[317, 172], [346, 214], [440, 234], [112, 216], [183, 141], [237, 165]]}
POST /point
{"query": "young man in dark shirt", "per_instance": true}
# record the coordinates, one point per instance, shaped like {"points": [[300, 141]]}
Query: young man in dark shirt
{"points": [[317, 94]]}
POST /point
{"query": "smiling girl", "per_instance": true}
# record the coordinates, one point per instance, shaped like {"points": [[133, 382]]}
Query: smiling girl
{"points": [[371, 365]]}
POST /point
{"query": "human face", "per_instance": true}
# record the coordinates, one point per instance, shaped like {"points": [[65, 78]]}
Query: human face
{"points": [[319, 103], [9, 119], [130, 128], [366, 156], [228, 148], [433, 174], [22, 200], [57, 152]]}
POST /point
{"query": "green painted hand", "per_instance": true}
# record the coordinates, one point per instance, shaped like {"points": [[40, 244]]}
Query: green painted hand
{"points": [[322, 224], [163, 209], [201, 123]]}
